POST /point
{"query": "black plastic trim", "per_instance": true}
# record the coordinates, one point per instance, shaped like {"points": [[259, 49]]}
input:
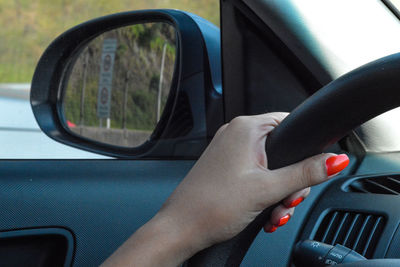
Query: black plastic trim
{"points": [[237, 20], [392, 8], [46, 231], [354, 185]]}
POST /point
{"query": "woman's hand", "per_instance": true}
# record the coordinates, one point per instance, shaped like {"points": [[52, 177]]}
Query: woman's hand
{"points": [[226, 189]]}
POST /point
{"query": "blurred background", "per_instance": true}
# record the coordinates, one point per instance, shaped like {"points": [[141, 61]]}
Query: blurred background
{"points": [[28, 26]]}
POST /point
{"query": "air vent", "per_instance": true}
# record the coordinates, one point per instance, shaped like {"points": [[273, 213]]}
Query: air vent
{"points": [[357, 231], [377, 185]]}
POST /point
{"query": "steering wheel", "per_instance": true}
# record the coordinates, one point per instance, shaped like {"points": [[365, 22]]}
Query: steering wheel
{"points": [[317, 123]]}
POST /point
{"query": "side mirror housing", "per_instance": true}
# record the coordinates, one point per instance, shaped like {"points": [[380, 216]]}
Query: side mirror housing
{"points": [[70, 108]]}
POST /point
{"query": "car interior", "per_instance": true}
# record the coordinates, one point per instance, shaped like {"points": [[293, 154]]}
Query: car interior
{"points": [[334, 65]]}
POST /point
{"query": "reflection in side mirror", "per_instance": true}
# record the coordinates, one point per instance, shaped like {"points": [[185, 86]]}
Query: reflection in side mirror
{"points": [[119, 84]]}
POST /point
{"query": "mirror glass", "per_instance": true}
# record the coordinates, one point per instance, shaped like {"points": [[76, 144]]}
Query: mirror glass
{"points": [[119, 84]]}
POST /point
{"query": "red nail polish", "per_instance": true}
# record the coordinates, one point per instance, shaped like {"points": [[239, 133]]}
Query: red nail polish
{"points": [[283, 220], [336, 164], [296, 202], [271, 229]]}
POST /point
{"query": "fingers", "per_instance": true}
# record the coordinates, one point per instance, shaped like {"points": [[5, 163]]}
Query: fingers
{"points": [[273, 119], [277, 117], [279, 217], [296, 198], [221, 129], [282, 213], [309, 172], [269, 121], [264, 122]]}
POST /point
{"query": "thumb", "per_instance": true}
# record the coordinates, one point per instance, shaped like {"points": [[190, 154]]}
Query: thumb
{"points": [[311, 171]]}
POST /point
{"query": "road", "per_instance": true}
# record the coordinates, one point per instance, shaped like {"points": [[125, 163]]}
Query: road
{"points": [[20, 135], [15, 90]]}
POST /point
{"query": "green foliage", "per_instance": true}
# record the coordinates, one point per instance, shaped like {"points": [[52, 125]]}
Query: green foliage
{"points": [[28, 27], [135, 79]]}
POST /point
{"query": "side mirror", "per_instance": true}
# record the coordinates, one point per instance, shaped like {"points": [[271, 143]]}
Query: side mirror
{"points": [[118, 84], [142, 84]]}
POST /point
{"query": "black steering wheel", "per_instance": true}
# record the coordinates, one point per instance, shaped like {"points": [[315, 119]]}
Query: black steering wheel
{"points": [[318, 122]]}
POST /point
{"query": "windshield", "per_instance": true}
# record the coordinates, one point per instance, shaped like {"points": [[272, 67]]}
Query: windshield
{"points": [[342, 35], [396, 3], [345, 37], [346, 34]]}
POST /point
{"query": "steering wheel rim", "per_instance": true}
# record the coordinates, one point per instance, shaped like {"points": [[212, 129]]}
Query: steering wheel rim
{"points": [[320, 121]]}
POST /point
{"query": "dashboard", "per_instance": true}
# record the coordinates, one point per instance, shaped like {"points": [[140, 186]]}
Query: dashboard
{"points": [[348, 210]]}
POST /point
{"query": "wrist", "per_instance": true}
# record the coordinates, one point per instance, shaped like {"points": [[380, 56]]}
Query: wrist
{"points": [[160, 242], [175, 241]]}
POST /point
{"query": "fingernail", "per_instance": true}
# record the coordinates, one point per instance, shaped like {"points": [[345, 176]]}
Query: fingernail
{"points": [[271, 229], [336, 164], [283, 220], [296, 202]]}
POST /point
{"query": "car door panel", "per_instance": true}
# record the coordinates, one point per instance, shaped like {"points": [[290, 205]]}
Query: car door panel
{"points": [[101, 202]]}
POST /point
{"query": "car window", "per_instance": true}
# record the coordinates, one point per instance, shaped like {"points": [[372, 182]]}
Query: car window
{"points": [[352, 40], [344, 36], [27, 28], [396, 3]]}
